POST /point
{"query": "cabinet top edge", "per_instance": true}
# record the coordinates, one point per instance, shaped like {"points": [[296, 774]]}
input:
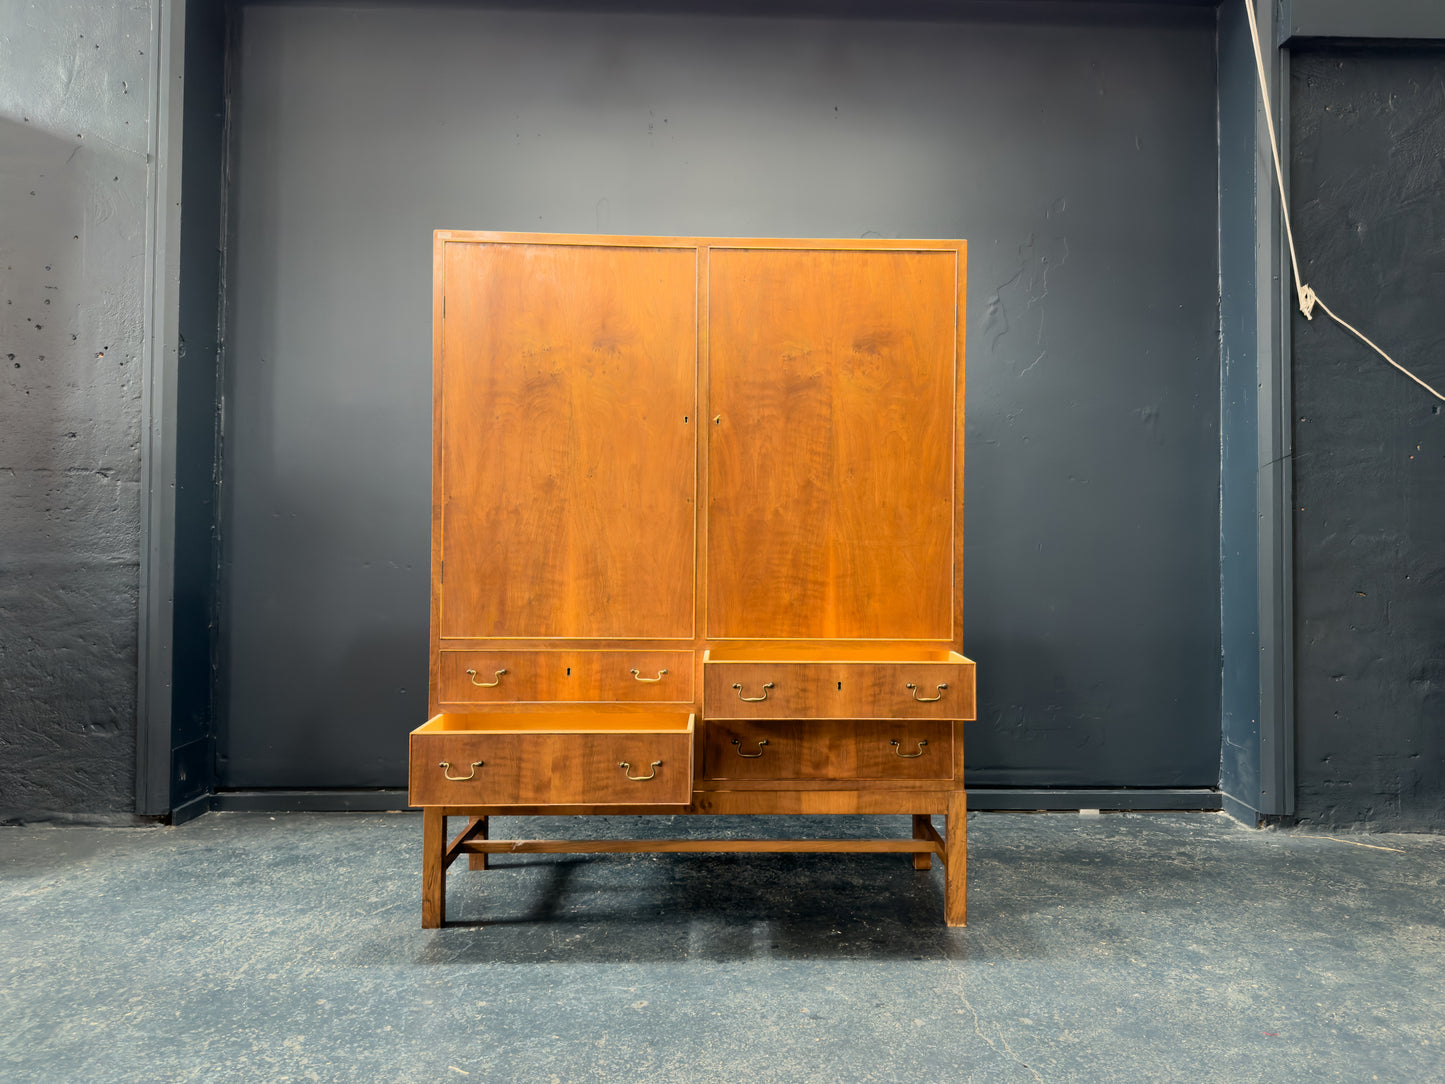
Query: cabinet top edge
{"points": [[639, 241], [835, 655]]}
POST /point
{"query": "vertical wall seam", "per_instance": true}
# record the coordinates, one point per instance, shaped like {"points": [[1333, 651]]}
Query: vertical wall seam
{"points": [[1276, 618], [159, 359], [216, 696]]}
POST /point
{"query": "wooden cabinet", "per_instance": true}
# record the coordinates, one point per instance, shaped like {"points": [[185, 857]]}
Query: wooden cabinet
{"points": [[695, 487]]}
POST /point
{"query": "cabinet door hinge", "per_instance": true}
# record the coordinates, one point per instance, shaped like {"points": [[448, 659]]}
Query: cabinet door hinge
{"points": [[442, 574], [444, 306]]}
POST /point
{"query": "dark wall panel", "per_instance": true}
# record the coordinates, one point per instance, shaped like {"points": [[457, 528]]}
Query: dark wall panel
{"points": [[1078, 160], [197, 401], [1239, 769], [1368, 186]]}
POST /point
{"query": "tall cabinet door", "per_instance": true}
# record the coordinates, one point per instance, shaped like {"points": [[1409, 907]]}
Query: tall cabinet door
{"points": [[833, 383], [567, 410]]}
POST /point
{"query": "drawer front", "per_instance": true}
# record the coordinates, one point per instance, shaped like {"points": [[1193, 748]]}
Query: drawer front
{"points": [[551, 769], [576, 677], [830, 690], [830, 749]]}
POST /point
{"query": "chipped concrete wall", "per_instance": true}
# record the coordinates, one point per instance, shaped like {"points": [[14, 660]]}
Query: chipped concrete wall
{"points": [[1369, 468], [74, 87]]}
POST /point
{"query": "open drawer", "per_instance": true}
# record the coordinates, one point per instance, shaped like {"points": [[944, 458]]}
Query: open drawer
{"points": [[837, 682], [553, 758]]}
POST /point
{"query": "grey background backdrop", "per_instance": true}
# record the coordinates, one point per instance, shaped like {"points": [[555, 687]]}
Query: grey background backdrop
{"points": [[1077, 156], [75, 77]]}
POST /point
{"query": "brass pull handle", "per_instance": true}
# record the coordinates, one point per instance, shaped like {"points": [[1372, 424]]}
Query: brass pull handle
{"points": [[627, 771], [446, 767], [927, 699], [486, 684], [898, 751], [648, 681], [750, 756], [753, 699]]}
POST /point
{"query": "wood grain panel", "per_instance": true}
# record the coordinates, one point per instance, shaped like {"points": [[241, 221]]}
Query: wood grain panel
{"points": [[892, 750], [827, 750], [568, 425], [828, 690], [831, 382], [550, 769], [820, 801], [566, 677], [778, 750], [955, 861]]}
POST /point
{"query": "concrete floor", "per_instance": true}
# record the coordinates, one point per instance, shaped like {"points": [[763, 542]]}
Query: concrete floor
{"points": [[1159, 947]]}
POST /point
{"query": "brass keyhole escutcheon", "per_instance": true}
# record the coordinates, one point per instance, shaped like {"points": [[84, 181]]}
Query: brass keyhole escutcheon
{"points": [[753, 699], [898, 750], [496, 680], [927, 699], [627, 771], [750, 756], [446, 767]]}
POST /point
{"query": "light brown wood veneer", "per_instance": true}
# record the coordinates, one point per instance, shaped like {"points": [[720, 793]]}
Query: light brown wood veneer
{"points": [[735, 460]]}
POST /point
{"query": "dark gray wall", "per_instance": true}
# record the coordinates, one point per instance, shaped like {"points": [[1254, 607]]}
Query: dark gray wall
{"points": [[1075, 152], [1352, 19], [192, 772], [74, 86], [1368, 189]]}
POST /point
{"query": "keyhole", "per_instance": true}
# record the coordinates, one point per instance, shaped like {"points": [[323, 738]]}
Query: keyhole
{"points": [[684, 419], [569, 671], [840, 686]]}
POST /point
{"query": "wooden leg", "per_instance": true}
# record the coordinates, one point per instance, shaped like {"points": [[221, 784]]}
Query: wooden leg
{"points": [[920, 822], [478, 829], [955, 861], [433, 868]]}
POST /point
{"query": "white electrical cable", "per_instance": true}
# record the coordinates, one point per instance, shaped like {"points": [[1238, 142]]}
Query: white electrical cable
{"points": [[1307, 297]]}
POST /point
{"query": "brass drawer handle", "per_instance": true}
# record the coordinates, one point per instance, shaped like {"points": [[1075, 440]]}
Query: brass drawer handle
{"points": [[648, 681], [750, 756], [486, 684], [898, 751], [446, 767], [927, 699], [627, 771], [753, 699]]}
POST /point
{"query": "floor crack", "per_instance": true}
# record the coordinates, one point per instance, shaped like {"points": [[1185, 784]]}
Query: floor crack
{"points": [[978, 1030]]}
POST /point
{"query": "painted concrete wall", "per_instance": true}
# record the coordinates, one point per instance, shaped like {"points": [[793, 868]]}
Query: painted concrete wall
{"points": [[1368, 190], [1074, 146], [74, 85]]}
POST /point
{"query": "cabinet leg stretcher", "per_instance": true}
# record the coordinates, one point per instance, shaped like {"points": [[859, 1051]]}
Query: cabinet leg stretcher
{"points": [[439, 852]]}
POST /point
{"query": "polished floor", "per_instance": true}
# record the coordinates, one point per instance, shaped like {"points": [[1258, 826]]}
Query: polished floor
{"points": [[1122, 947]]}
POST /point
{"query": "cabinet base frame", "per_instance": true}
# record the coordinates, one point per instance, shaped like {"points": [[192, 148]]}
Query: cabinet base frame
{"points": [[438, 853]]}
